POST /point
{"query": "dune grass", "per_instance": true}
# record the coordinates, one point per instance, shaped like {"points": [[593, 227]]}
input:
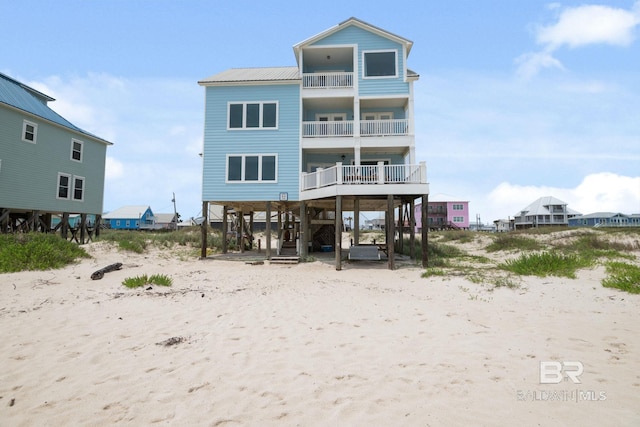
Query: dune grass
{"points": [[36, 251], [623, 276], [547, 263], [144, 280], [139, 241]]}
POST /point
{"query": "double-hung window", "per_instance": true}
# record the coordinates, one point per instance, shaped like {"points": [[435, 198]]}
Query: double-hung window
{"points": [[29, 131], [64, 186], [380, 63], [253, 115], [78, 188], [70, 187], [252, 168], [76, 150]]}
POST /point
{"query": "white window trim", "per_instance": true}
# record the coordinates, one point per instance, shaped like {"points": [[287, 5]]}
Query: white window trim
{"points": [[364, 64], [24, 131], [331, 117], [244, 115], [242, 173], [73, 141], [69, 186], [84, 186], [377, 114]]}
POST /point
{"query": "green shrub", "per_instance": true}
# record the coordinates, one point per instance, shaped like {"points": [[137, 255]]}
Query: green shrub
{"points": [[36, 251], [544, 264], [155, 279], [623, 276]]}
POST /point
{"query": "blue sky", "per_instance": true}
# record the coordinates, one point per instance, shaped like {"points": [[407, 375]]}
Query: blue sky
{"points": [[516, 99]]}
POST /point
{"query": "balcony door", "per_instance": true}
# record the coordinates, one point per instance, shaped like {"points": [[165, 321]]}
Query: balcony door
{"points": [[330, 125], [380, 123]]}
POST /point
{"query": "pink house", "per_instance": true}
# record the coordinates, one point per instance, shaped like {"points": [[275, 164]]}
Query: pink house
{"points": [[445, 212]]}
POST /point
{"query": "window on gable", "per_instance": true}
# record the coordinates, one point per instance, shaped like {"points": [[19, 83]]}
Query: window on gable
{"points": [[380, 64], [29, 131], [64, 182], [78, 188], [253, 115], [76, 150], [252, 168]]}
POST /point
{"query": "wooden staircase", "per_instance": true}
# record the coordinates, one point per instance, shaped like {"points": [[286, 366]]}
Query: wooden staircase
{"points": [[288, 254]]}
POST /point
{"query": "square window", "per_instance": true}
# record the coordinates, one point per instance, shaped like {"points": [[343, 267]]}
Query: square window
{"points": [[380, 64]]}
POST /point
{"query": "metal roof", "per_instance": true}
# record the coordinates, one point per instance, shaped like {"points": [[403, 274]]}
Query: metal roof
{"points": [[266, 74], [540, 207], [25, 98], [130, 212]]}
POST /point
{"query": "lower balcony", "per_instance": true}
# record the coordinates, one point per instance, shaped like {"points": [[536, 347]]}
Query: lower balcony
{"points": [[365, 180]]}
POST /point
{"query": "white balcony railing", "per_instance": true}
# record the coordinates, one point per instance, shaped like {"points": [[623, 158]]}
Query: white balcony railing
{"points": [[384, 127], [396, 127], [327, 129], [333, 80], [365, 174]]}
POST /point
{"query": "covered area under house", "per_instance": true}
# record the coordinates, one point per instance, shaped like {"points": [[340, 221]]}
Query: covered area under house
{"points": [[293, 229]]}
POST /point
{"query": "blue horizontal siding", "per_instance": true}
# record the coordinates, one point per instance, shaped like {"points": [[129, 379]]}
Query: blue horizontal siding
{"points": [[220, 142], [368, 41]]}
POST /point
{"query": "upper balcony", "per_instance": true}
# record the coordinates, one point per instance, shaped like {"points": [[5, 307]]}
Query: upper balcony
{"points": [[325, 129], [328, 80]]}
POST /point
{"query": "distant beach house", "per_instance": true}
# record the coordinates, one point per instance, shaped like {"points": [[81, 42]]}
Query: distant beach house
{"points": [[131, 218], [167, 221], [334, 133], [546, 211], [48, 166], [445, 213], [605, 219], [503, 225]]}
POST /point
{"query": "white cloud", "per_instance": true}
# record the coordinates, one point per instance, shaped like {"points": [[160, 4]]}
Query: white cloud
{"points": [[529, 64], [114, 169], [590, 24], [156, 126], [600, 192], [576, 27]]}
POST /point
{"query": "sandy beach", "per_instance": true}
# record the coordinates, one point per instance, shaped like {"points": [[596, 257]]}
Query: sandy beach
{"points": [[231, 343]]}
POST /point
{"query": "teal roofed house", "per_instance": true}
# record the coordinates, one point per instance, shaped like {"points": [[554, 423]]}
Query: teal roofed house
{"points": [[304, 143], [48, 166]]}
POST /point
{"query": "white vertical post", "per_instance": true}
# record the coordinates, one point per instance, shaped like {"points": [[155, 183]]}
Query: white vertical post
{"points": [[339, 173], [380, 172]]}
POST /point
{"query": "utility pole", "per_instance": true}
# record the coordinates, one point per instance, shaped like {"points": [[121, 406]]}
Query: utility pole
{"points": [[175, 213]]}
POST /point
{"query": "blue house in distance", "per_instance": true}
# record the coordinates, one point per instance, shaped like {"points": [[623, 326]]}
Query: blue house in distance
{"points": [[605, 219], [131, 218], [334, 133]]}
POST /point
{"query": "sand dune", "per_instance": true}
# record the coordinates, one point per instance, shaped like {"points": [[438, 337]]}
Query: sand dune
{"points": [[236, 344]]}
